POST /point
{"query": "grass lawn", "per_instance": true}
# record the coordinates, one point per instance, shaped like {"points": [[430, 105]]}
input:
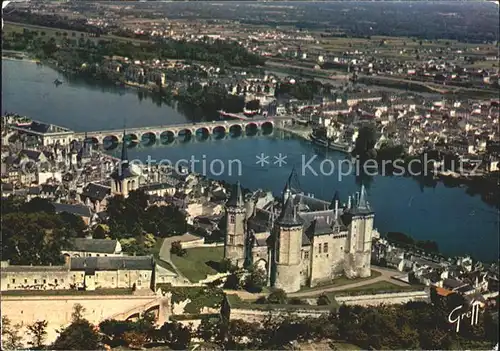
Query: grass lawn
{"points": [[67, 292], [341, 281], [345, 346], [377, 287], [199, 262]]}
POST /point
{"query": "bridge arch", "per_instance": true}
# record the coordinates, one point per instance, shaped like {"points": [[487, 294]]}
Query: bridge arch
{"points": [[251, 129], [235, 130], [110, 142], [167, 137], [185, 134], [203, 133], [219, 132], [267, 127], [148, 138]]}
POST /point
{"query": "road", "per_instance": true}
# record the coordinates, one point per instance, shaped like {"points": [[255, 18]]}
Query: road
{"points": [[164, 253]]}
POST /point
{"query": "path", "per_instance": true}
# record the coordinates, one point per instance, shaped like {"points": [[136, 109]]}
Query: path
{"points": [[164, 253], [385, 275]]}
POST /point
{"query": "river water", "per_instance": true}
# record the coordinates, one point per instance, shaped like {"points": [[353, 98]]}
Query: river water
{"points": [[458, 222]]}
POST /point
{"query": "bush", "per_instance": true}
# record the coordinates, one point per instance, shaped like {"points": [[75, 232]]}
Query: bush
{"points": [[256, 280], [261, 300], [297, 301], [176, 249], [232, 282], [323, 300], [277, 297]]}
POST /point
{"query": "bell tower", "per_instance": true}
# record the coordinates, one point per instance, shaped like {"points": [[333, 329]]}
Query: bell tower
{"points": [[234, 246], [123, 179]]}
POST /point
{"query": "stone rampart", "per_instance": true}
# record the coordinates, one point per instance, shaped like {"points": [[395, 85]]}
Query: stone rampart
{"points": [[57, 310]]}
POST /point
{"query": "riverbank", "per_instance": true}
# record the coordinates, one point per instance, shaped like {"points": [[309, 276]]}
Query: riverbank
{"points": [[18, 56]]}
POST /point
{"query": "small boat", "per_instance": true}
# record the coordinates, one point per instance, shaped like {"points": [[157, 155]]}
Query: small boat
{"points": [[329, 144]]}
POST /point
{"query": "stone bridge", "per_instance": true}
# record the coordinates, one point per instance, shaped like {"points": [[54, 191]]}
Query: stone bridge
{"points": [[57, 309], [169, 133]]}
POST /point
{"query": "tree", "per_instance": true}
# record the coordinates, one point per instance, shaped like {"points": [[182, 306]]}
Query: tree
{"points": [[11, 340], [134, 339], [79, 335], [38, 204], [38, 331], [176, 249], [99, 232], [323, 300], [256, 280], [177, 336], [73, 223], [240, 330], [277, 297], [210, 330], [78, 311], [253, 105]]}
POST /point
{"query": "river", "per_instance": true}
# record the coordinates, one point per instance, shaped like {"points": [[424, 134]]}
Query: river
{"points": [[458, 222]]}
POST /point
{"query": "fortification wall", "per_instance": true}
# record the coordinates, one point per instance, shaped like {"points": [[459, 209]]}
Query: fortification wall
{"points": [[386, 299], [57, 310]]}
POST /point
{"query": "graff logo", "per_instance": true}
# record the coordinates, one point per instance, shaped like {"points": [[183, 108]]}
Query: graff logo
{"points": [[456, 316]]}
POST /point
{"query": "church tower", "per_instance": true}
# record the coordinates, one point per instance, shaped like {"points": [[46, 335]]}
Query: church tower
{"points": [[360, 238], [287, 243], [123, 179], [234, 247]]}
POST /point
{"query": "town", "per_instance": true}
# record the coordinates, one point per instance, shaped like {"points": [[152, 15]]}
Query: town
{"points": [[101, 251]]}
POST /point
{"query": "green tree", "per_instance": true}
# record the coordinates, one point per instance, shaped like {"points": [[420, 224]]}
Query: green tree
{"points": [[210, 330], [99, 232], [78, 311], [323, 300], [79, 335], [177, 336], [278, 297], [255, 280], [38, 332], [11, 340]]}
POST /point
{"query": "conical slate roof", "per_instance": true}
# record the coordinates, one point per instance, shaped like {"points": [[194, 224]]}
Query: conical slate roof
{"points": [[362, 206], [236, 199], [288, 216], [123, 171], [336, 197]]}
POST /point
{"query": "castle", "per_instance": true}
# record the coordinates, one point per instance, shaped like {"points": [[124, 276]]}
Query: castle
{"points": [[308, 242]]}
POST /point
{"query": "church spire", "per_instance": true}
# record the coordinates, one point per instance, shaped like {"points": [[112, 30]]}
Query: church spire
{"points": [[336, 198], [236, 199], [124, 157], [362, 205]]}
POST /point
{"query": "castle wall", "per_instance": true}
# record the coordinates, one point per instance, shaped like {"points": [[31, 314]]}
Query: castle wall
{"points": [[41, 280], [326, 265], [305, 270], [57, 310]]}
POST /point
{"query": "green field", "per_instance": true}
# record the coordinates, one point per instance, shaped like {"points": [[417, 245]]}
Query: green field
{"points": [[198, 263], [378, 287], [340, 282]]}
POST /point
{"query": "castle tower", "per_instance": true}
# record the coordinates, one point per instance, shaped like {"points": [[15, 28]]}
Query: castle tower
{"points": [[124, 180], [360, 237], [287, 243], [234, 247]]}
